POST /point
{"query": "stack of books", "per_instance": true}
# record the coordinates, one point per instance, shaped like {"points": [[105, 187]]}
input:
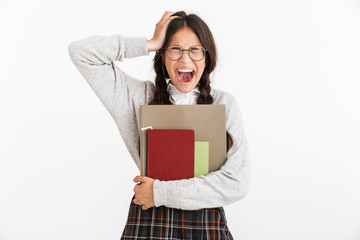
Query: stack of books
{"points": [[181, 141], [174, 154]]}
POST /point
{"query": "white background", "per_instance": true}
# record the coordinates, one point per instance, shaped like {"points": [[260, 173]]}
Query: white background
{"points": [[293, 66]]}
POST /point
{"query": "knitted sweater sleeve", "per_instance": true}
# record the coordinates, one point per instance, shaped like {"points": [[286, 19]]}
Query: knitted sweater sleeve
{"points": [[219, 188], [120, 93]]}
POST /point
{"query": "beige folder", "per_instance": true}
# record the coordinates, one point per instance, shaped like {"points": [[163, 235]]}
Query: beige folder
{"points": [[208, 121]]}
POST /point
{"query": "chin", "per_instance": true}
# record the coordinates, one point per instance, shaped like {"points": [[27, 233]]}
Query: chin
{"points": [[185, 88]]}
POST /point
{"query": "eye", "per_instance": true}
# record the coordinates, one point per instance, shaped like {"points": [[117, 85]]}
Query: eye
{"points": [[196, 49], [175, 48]]}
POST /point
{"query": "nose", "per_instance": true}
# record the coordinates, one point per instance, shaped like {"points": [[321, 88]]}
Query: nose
{"points": [[185, 58]]}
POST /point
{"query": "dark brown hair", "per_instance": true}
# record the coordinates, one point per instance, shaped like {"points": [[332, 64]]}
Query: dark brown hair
{"points": [[200, 28]]}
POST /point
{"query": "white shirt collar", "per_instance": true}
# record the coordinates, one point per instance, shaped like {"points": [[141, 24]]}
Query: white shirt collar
{"points": [[180, 98]]}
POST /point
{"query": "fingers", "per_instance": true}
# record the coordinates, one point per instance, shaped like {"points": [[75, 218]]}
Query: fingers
{"points": [[168, 18], [165, 19], [141, 179], [164, 22], [137, 178], [166, 15], [144, 192], [158, 38], [143, 207], [135, 188], [137, 202]]}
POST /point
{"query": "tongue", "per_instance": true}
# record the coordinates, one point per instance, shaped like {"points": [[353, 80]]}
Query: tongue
{"points": [[185, 76]]}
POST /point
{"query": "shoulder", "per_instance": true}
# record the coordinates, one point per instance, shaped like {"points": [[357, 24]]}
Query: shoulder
{"points": [[223, 97], [149, 90], [135, 88], [232, 106]]}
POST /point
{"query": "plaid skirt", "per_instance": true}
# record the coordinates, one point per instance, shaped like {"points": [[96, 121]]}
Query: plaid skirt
{"points": [[171, 223]]}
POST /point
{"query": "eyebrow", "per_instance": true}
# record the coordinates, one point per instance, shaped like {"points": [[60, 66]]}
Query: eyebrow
{"points": [[177, 45]]}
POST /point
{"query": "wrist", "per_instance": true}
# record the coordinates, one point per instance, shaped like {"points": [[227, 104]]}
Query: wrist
{"points": [[151, 45]]}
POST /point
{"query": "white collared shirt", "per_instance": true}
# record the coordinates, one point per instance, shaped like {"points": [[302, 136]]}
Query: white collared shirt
{"points": [[180, 98]]}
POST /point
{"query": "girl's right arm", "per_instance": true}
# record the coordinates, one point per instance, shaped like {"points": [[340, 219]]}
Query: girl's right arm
{"points": [[120, 93], [94, 57]]}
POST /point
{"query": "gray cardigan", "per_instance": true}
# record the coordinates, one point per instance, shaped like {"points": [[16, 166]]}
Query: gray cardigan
{"points": [[122, 96]]}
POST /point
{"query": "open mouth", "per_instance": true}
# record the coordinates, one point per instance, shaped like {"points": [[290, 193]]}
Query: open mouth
{"points": [[185, 76]]}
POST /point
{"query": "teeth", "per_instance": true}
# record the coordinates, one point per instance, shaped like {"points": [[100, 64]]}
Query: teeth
{"points": [[185, 70]]}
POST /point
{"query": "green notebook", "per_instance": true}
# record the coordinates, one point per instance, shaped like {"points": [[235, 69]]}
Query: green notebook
{"points": [[201, 159]]}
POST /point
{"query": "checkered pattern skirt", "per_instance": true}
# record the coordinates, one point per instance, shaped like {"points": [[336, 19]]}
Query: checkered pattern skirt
{"points": [[171, 223]]}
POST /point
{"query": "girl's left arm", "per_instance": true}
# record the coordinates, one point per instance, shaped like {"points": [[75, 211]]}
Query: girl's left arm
{"points": [[229, 184]]}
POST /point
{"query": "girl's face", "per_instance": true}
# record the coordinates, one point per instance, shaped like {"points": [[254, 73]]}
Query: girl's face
{"points": [[184, 73]]}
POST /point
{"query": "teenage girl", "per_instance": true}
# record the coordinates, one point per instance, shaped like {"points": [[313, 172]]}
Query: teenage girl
{"points": [[185, 57]]}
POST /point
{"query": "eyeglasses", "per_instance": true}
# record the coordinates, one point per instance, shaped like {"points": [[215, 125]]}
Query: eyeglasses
{"points": [[196, 52]]}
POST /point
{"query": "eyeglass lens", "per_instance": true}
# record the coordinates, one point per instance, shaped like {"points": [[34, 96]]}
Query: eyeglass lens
{"points": [[196, 53]]}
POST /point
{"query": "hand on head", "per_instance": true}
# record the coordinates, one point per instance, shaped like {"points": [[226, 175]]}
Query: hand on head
{"points": [[156, 42]]}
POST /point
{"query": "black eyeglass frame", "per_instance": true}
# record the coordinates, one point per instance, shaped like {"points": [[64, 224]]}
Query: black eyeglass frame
{"points": [[189, 51]]}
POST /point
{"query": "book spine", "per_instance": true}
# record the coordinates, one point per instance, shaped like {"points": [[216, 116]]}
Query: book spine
{"points": [[143, 150]]}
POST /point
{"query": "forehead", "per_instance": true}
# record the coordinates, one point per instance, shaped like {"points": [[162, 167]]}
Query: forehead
{"points": [[185, 37]]}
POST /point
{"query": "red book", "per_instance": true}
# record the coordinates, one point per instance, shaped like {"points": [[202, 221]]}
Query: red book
{"points": [[170, 154]]}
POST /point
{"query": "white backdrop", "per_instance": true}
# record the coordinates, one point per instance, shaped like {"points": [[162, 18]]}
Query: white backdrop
{"points": [[293, 65]]}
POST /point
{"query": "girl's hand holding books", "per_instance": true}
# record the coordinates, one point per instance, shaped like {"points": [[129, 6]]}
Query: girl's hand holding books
{"points": [[144, 192]]}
